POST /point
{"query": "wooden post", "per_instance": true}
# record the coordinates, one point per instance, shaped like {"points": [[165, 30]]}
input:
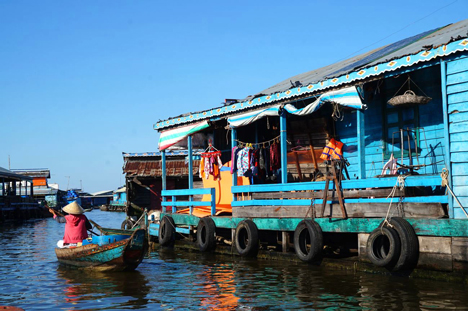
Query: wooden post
{"points": [[213, 201], [190, 162], [443, 80], [312, 152], [163, 174], [360, 119], [285, 241], [190, 169], [233, 144], [284, 148], [298, 166]]}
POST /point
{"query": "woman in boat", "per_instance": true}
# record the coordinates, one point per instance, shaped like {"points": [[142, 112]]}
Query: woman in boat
{"points": [[76, 224]]}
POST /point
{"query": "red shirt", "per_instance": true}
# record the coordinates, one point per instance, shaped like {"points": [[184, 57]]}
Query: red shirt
{"points": [[75, 229]]}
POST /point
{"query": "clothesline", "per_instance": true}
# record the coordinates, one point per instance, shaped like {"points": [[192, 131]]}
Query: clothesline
{"points": [[263, 143]]}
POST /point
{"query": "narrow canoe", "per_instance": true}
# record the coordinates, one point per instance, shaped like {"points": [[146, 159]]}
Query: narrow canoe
{"points": [[107, 255]]}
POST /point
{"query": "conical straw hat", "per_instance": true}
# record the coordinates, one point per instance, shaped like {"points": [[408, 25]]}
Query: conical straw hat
{"points": [[73, 208]]}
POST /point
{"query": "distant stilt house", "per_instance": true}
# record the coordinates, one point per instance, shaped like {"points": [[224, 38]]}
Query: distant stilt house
{"points": [[101, 198], [119, 200], [17, 197], [143, 178], [44, 192]]}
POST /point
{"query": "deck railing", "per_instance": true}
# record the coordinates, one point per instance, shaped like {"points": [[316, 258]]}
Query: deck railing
{"points": [[360, 192], [174, 203]]}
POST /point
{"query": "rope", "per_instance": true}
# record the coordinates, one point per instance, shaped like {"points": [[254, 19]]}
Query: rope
{"points": [[242, 143], [260, 143], [138, 221], [444, 175], [337, 114], [400, 184]]}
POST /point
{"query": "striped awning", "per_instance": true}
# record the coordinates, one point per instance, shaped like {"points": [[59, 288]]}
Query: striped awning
{"points": [[173, 136], [348, 97]]}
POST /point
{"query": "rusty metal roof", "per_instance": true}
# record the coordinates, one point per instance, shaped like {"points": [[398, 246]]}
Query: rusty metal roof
{"points": [[152, 168]]}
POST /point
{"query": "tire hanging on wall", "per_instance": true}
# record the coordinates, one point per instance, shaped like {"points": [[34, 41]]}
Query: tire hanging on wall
{"points": [[167, 231], [246, 238], [206, 234], [383, 247], [308, 240], [409, 252]]}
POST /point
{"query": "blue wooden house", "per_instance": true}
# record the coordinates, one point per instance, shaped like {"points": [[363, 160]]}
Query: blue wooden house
{"points": [[367, 155]]}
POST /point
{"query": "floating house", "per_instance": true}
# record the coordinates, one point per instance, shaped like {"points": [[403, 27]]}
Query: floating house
{"points": [[101, 198], [17, 200], [365, 157]]}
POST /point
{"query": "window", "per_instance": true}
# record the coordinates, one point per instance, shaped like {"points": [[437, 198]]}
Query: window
{"points": [[395, 120]]}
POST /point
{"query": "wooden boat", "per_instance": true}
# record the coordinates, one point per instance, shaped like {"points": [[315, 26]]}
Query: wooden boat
{"points": [[109, 231], [107, 252]]}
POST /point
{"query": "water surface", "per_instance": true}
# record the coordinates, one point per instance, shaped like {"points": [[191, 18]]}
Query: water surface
{"points": [[31, 278]]}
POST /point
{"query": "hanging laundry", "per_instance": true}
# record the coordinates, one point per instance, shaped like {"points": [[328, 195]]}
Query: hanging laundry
{"points": [[234, 159], [275, 156], [201, 170], [211, 163], [243, 160]]}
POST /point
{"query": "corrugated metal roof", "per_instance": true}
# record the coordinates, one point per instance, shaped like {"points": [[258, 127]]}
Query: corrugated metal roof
{"points": [[33, 172], [102, 193], [404, 53], [148, 168], [413, 45], [44, 191], [7, 174], [169, 153], [123, 189]]}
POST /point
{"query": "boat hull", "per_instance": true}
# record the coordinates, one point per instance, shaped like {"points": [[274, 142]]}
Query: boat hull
{"points": [[122, 255]]}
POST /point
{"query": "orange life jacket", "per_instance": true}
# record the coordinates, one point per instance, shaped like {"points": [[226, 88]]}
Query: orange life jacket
{"points": [[333, 150]]}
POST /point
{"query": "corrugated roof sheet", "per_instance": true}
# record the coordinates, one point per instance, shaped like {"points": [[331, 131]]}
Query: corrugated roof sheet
{"points": [[7, 174], [33, 172], [169, 153], [148, 168], [424, 41], [345, 72], [44, 191]]}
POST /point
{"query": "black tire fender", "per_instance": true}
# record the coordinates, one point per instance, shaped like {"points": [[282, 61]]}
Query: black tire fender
{"points": [[246, 238], [383, 247], [206, 234], [167, 231], [409, 253], [308, 240], [127, 224]]}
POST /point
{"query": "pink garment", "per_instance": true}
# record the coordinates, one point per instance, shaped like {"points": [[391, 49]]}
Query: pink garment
{"points": [[391, 165], [207, 167], [75, 229]]}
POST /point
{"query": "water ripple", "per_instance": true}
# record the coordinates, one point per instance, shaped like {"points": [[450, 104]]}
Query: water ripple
{"points": [[31, 278]]}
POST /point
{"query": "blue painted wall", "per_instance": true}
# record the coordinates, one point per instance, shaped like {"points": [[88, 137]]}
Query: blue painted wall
{"points": [[457, 107], [430, 125]]}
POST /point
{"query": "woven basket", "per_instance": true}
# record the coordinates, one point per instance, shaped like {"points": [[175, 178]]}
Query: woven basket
{"points": [[409, 98]]}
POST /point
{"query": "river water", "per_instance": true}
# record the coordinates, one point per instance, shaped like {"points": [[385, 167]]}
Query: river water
{"points": [[32, 279]]}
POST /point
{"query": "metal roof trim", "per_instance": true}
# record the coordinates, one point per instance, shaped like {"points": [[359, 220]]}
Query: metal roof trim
{"points": [[345, 79], [159, 153]]}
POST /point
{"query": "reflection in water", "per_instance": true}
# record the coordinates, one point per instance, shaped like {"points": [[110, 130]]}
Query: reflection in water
{"points": [[131, 286], [31, 278]]}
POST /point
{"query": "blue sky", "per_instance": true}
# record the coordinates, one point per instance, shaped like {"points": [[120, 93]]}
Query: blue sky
{"points": [[83, 81]]}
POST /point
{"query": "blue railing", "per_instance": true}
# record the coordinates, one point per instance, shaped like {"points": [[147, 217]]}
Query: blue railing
{"points": [[173, 194], [386, 182]]}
